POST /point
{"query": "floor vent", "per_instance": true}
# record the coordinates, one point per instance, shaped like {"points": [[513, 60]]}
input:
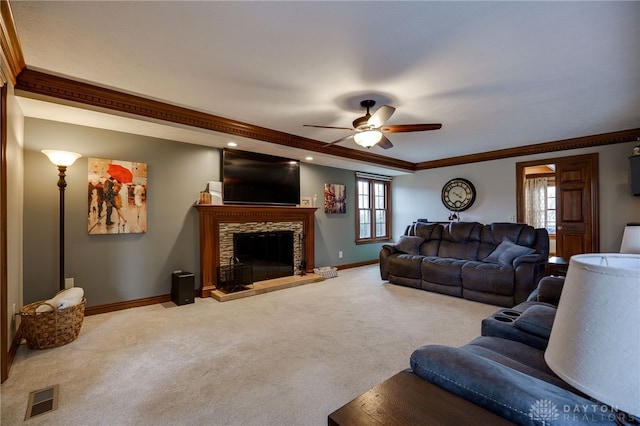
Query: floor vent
{"points": [[42, 401]]}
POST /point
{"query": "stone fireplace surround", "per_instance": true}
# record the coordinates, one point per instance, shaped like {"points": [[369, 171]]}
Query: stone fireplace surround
{"points": [[218, 223]]}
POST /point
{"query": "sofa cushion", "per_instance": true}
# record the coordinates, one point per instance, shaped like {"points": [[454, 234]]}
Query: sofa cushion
{"points": [[488, 277], [460, 240], [506, 252], [537, 320], [442, 270], [409, 245]]}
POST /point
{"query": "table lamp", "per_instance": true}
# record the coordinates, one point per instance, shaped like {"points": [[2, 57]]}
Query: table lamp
{"points": [[631, 238], [595, 339]]}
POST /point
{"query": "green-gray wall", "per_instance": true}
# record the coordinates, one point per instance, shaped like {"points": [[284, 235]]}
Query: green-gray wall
{"points": [[116, 268]]}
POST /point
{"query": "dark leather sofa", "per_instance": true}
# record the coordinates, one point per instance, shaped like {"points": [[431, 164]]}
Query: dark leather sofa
{"points": [[498, 263]]}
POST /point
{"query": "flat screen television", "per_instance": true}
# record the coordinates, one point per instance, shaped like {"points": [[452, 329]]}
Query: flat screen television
{"points": [[252, 178]]}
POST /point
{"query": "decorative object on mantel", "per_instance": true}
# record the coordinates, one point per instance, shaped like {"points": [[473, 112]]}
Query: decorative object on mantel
{"points": [[112, 184], [594, 341], [62, 159], [335, 198], [215, 190], [305, 202]]}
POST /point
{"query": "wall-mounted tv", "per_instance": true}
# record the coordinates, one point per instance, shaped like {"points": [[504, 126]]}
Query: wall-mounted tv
{"points": [[252, 178]]}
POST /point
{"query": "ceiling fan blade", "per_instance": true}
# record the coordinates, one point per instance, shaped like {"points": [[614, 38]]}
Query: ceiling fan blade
{"points": [[385, 143], [381, 116], [328, 127], [339, 140], [399, 128]]}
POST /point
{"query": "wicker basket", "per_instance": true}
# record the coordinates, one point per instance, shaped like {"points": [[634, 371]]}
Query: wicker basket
{"points": [[44, 330]]}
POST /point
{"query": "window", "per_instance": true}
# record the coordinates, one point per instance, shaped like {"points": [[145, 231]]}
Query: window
{"points": [[540, 198], [373, 221], [551, 207]]}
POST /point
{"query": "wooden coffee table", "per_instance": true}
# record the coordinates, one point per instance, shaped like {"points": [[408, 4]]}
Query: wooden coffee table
{"points": [[405, 399]]}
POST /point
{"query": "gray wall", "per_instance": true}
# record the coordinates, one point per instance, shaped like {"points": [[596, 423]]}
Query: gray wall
{"points": [[115, 268], [495, 182], [335, 232]]}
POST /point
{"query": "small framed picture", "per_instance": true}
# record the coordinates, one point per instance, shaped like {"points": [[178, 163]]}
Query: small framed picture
{"points": [[306, 202]]}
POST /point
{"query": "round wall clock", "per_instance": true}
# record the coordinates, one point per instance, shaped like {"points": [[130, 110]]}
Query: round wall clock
{"points": [[458, 194]]}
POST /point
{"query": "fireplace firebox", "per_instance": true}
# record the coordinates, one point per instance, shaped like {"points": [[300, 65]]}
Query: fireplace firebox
{"points": [[269, 254]]}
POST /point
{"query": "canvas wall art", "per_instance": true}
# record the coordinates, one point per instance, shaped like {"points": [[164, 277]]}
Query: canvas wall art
{"points": [[335, 198], [117, 197]]}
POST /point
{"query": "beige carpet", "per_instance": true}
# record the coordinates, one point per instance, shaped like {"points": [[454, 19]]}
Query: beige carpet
{"points": [[289, 357]]}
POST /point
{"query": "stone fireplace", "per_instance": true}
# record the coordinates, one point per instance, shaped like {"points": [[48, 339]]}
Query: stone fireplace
{"points": [[218, 224]]}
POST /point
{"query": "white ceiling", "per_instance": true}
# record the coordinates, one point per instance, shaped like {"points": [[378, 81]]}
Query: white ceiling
{"points": [[495, 74]]}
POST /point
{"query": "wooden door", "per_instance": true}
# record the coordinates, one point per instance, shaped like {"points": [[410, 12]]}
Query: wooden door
{"points": [[577, 225], [577, 205]]}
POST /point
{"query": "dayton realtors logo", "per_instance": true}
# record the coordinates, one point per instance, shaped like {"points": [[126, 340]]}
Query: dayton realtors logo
{"points": [[544, 410]]}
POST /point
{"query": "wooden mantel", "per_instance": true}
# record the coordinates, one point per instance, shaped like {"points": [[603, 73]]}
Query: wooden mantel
{"points": [[211, 216]]}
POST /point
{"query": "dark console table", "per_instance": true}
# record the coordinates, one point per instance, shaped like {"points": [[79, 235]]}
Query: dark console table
{"points": [[405, 399], [556, 266]]}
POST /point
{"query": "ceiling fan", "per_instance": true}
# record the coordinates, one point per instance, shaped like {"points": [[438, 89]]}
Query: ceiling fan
{"points": [[369, 129]]}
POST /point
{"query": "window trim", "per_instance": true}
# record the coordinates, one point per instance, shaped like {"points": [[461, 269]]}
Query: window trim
{"points": [[372, 180]]}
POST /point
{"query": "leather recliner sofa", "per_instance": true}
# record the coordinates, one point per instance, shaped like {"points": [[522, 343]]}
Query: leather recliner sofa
{"points": [[497, 263], [504, 370]]}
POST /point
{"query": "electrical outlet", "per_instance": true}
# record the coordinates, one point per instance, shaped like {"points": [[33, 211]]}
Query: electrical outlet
{"points": [[68, 283], [340, 254]]}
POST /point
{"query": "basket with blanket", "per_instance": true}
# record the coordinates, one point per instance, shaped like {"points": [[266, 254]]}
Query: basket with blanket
{"points": [[54, 322]]}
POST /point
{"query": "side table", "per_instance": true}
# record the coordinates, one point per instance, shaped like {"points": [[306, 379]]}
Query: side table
{"points": [[407, 400], [556, 266]]}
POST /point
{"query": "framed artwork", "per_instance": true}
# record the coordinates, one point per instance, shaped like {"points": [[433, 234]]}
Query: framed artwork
{"points": [[117, 197], [306, 202], [335, 198]]}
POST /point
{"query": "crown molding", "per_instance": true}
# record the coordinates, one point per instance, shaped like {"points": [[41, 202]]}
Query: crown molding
{"points": [[541, 148], [12, 58], [76, 92], [109, 100]]}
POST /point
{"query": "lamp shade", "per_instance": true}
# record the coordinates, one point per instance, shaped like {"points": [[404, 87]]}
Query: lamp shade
{"points": [[595, 340], [61, 158], [368, 138], [631, 239]]}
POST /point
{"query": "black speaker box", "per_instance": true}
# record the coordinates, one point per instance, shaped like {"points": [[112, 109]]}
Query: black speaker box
{"points": [[182, 287]]}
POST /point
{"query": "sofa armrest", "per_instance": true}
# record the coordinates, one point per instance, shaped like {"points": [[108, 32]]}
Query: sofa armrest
{"points": [[521, 398], [528, 258], [390, 248], [386, 251], [549, 290]]}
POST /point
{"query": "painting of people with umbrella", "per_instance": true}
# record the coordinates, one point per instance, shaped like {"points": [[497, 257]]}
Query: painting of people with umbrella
{"points": [[117, 196]]}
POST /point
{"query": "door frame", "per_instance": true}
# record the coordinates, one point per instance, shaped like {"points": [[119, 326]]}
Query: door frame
{"points": [[593, 214]]}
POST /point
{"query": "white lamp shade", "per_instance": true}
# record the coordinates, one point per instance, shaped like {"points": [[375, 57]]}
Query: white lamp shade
{"points": [[61, 158], [595, 339], [368, 138], [631, 239]]}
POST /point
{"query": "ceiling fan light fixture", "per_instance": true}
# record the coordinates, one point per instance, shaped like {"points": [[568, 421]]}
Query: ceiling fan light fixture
{"points": [[368, 138]]}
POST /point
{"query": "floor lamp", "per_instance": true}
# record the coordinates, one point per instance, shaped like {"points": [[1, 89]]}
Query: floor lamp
{"points": [[61, 159]]}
